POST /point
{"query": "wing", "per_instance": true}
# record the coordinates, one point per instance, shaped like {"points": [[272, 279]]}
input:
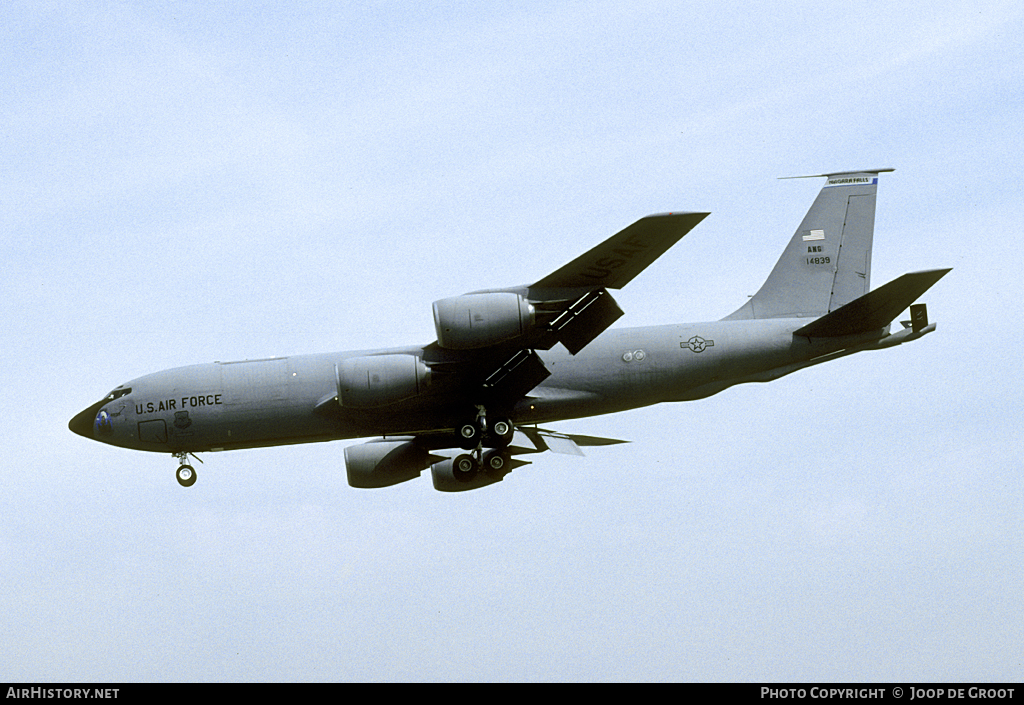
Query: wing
{"points": [[490, 337], [614, 263], [589, 310], [571, 305]]}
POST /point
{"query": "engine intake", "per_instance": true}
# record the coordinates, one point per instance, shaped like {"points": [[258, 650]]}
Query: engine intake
{"points": [[478, 320]]}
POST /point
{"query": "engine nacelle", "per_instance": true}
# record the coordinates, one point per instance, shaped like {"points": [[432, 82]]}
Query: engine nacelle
{"points": [[479, 320], [380, 380], [385, 463]]}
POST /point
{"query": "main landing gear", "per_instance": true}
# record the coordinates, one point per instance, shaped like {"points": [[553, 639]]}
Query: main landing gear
{"points": [[494, 433], [186, 474], [485, 430]]}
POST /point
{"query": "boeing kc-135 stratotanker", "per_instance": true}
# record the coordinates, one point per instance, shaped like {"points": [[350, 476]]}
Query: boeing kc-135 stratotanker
{"points": [[507, 361]]}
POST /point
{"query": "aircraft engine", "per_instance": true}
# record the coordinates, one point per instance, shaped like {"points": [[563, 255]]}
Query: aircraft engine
{"points": [[385, 463], [380, 380], [479, 320]]}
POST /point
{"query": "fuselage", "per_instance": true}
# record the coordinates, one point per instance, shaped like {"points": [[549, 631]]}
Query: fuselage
{"points": [[295, 399]]}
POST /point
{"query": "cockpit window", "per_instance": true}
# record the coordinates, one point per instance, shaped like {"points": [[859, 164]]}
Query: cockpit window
{"points": [[118, 393]]}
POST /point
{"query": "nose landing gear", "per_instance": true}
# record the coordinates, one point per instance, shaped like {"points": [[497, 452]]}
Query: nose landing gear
{"points": [[185, 474]]}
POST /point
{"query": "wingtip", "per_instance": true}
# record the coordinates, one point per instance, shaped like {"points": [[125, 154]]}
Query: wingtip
{"points": [[698, 215], [938, 272]]}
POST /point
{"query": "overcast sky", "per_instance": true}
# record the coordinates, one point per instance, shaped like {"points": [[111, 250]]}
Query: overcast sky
{"points": [[188, 182]]}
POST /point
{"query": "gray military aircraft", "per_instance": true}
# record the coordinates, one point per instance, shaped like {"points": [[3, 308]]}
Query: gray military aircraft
{"points": [[507, 360]]}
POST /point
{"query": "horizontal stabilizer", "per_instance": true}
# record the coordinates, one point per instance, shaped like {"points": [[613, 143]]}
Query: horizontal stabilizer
{"points": [[875, 309], [842, 173], [614, 263]]}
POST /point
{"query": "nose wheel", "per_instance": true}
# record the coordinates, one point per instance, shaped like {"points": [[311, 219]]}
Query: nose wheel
{"points": [[185, 474]]}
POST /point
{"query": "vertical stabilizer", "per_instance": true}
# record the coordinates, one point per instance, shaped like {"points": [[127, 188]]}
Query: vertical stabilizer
{"points": [[828, 261]]}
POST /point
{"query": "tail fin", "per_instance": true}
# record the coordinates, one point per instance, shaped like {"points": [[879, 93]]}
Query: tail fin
{"points": [[828, 261]]}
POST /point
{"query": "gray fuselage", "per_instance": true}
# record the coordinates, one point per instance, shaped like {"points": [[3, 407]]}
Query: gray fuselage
{"points": [[275, 401]]}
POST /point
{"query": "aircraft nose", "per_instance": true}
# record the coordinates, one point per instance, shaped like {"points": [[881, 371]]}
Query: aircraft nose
{"points": [[83, 422]]}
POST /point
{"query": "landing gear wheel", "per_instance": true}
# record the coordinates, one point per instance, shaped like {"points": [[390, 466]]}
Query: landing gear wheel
{"points": [[501, 431], [465, 468], [186, 476], [468, 435], [495, 462]]}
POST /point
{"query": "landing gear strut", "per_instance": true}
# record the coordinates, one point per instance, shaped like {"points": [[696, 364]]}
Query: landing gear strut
{"points": [[186, 474]]}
